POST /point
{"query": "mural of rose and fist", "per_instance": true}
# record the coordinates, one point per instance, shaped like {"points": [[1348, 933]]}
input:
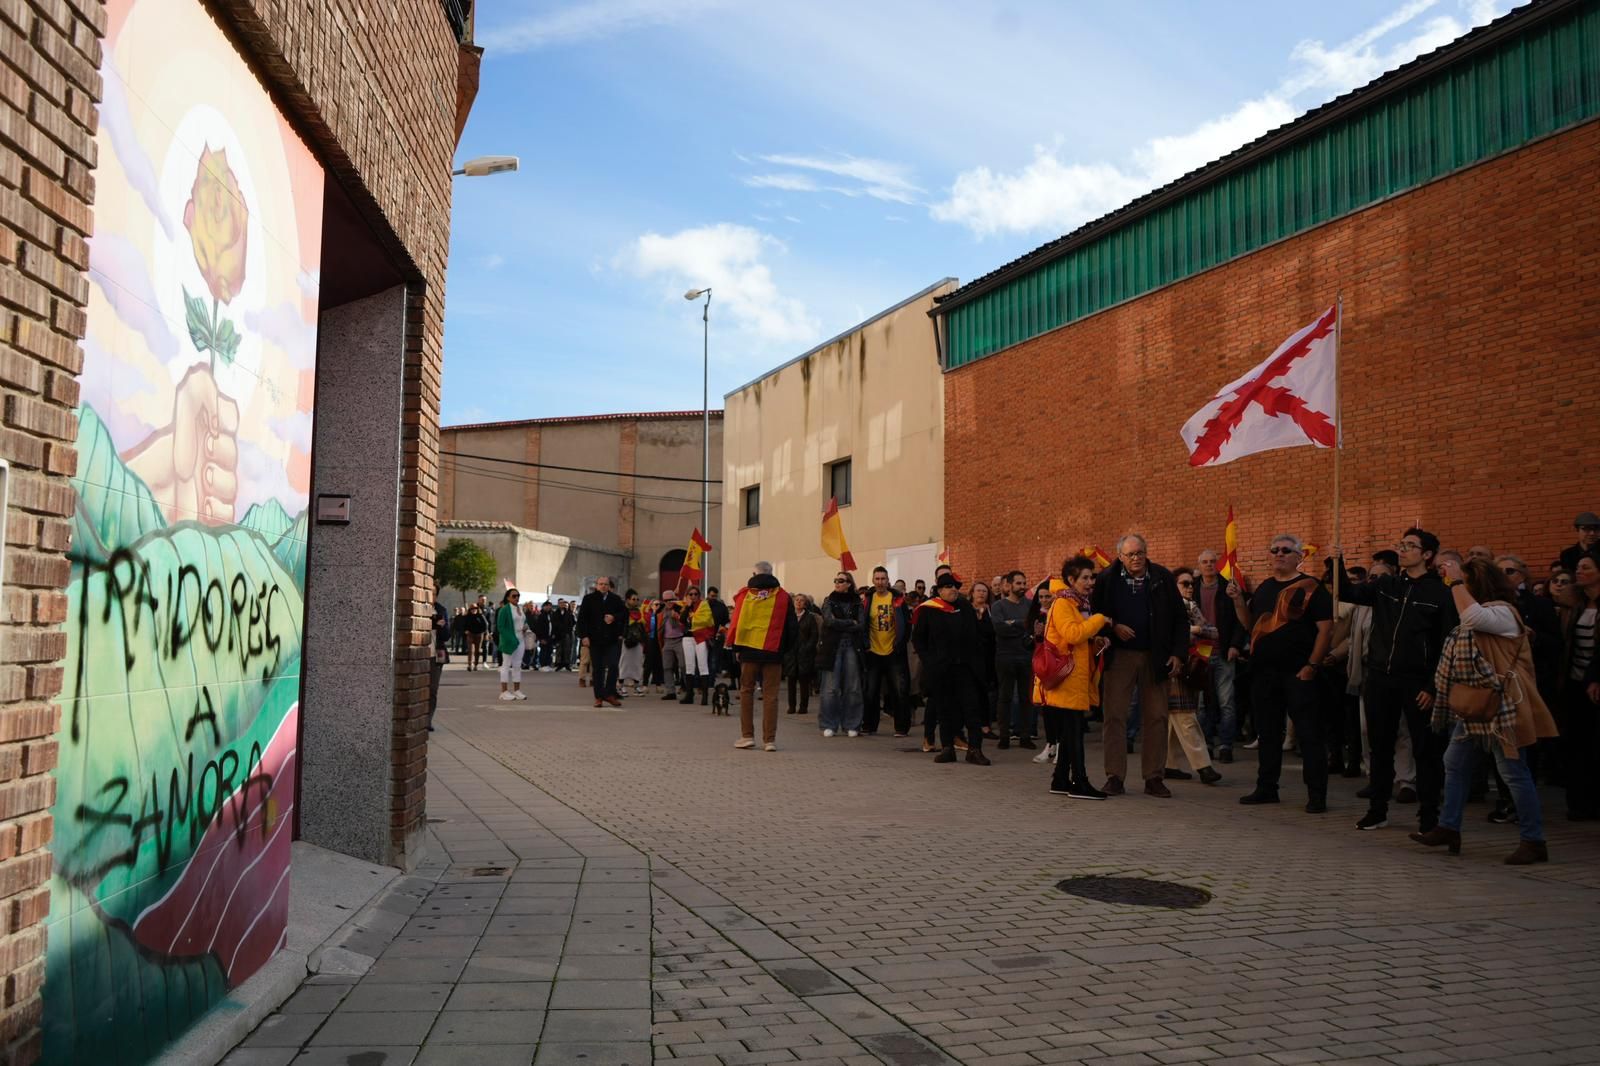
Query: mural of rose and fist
{"points": [[180, 714]]}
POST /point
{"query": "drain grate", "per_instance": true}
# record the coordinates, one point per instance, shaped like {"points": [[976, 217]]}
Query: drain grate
{"points": [[1138, 891]]}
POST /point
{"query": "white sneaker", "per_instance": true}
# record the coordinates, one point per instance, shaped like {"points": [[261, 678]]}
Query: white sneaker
{"points": [[853, 733], [1044, 755], [769, 746], [827, 732], [519, 695], [506, 697], [745, 742], [1055, 753]]}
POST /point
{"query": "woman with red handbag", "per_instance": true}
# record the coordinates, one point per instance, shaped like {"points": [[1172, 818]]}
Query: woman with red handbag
{"points": [[1066, 672]]}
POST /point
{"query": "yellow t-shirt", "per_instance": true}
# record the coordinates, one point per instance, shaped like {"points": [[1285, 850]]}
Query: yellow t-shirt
{"points": [[880, 623]]}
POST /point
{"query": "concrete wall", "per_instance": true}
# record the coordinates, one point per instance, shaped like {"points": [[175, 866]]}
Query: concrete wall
{"points": [[640, 517], [874, 395], [535, 561], [1471, 392]]}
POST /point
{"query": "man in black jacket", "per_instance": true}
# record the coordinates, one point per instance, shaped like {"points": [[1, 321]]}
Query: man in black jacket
{"points": [[561, 627], [1412, 612], [1149, 634], [944, 631], [601, 619], [1588, 526]]}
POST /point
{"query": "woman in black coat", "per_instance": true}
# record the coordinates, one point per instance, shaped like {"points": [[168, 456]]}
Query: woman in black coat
{"points": [[800, 661]]}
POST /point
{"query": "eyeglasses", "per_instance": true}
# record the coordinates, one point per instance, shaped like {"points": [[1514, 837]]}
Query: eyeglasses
{"points": [[1134, 555], [1409, 546], [1186, 584], [1283, 551], [840, 581]]}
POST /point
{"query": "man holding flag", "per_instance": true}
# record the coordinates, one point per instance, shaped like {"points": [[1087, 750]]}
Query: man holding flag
{"points": [[760, 630]]}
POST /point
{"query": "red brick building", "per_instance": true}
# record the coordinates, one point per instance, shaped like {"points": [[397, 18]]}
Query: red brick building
{"points": [[196, 257], [1454, 203]]}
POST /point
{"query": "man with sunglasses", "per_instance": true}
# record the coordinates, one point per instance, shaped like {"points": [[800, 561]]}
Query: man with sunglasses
{"points": [[1412, 612], [1290, 619]]}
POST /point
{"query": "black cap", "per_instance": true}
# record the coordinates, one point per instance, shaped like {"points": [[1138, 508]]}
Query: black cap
{"points": [[1587, 518], [946, 581]]}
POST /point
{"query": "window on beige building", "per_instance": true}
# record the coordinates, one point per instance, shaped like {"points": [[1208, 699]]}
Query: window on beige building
{"points": [[750, 506], [839, 481]]}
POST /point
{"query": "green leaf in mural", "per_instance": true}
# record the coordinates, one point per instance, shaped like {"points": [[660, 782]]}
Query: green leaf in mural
{"points": [[198, 319], [115, 507], [227, 340]]}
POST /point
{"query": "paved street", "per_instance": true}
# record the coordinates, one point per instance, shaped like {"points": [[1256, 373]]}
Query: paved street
{"points": [[621, 886]]}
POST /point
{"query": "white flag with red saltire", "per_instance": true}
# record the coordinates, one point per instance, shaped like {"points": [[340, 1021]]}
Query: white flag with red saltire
{"points": [[1285, 402]]}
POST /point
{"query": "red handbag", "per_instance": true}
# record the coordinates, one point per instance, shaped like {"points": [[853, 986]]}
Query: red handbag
{"points": [[1051, 667]]}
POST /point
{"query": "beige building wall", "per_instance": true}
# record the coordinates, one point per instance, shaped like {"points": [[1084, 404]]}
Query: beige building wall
{"points": [[874, 395], [539, 564], [618, 510]]}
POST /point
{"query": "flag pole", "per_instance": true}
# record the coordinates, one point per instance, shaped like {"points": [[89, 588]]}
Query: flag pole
{"points": [[1338, 439]]}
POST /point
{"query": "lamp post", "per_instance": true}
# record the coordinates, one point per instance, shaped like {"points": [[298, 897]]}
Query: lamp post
{"points": [[705, 408], [484, 165]]}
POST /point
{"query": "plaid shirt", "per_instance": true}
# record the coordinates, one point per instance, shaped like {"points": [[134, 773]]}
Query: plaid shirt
{"points": [[1462, 663]]}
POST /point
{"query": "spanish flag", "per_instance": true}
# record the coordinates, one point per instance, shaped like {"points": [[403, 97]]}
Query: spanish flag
{"points": [[694, 558], [1230, 547], [702, 623], [759, 616], [833, 537], [1100, 558]]}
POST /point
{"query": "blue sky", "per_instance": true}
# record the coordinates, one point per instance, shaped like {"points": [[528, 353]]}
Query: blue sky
{"points": [[817, 162]]}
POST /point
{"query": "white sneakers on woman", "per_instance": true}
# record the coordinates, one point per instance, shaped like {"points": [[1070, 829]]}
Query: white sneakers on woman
{"points": [[1048, 754]]}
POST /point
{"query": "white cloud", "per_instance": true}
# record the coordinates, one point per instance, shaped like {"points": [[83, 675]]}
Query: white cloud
{"points": [[730, 259], [1058, 195], [594, 20], [494, 261], [877, 178], [786, 182]]}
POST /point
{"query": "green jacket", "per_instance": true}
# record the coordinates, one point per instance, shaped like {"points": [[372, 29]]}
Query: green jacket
{"points": [[505, 628]]}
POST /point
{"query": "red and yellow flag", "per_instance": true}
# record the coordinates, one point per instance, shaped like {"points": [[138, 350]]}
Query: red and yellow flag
{"points": [[1101, 559], [694, 558], [1230, 547], [702, 623], [758, 619], [833, 537]]}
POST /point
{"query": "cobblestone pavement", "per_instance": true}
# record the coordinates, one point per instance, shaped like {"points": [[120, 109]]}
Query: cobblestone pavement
{"points": [[845, 901]]}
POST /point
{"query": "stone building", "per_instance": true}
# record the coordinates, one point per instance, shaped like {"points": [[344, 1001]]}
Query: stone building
{"points": [[1452, 204], [619, 483], [859, 418], [216, 602]]}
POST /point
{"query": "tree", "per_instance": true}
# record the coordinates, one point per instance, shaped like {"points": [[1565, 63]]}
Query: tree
{"points": [[464, 565]]}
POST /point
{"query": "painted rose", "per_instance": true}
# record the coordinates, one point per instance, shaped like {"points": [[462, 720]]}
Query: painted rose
{"points": [[216, 218]]}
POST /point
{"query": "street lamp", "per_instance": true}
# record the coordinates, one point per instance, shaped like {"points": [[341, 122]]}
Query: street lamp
{"points": [[484, 165], [705, 409]]}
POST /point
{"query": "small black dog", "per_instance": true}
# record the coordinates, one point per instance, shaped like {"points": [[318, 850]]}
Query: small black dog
{"points": [[719, 699]]}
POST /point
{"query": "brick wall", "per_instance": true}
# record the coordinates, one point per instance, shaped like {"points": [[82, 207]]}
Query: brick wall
{"points": [[373, 86], [49, 87], [1471, 387]]}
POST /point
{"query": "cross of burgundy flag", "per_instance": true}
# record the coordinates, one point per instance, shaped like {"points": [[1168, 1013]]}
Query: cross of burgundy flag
{"points": [[1285, 402]]}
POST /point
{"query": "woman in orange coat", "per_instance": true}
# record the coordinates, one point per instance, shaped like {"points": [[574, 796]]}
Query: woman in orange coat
{"points": [[1073, 631]]}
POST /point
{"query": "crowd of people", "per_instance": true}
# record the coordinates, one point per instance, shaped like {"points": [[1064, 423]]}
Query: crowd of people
{"points": [[1435, 673]]}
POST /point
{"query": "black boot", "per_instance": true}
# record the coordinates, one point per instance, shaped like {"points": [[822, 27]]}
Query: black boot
{"points": [[705, 694], [945, 755], [688, 693], [976, 756]]}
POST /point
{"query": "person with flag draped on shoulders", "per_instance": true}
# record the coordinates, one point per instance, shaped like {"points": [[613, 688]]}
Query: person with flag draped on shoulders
{"points": [[944, 630], [699, 627], [761, 628]]}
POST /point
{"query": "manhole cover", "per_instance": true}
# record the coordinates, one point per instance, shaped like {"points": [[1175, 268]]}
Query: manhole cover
{"points": [[1138, 891]]}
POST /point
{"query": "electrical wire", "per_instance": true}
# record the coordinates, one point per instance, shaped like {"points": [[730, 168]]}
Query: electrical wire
{"points": [[572, 469], [512, 478]]}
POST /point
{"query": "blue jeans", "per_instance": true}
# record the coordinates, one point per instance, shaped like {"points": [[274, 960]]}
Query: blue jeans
{"points": [[1222, 712], [1458, 781], [841, 691]]}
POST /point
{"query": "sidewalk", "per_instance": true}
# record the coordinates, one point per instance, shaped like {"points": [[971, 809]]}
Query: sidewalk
{"points": [[846, 901]]}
